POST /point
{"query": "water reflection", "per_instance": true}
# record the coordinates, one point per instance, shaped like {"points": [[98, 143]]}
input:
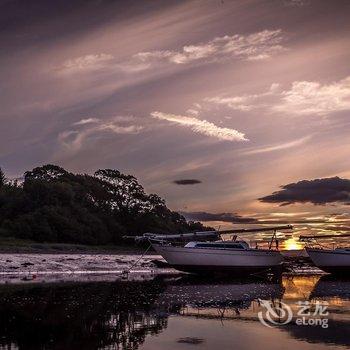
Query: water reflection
{"points": [[191, 296], [73, 316], [180, 311]]}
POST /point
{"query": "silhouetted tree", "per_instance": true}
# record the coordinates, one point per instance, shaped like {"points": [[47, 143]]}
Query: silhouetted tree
{"points": [[2, 178], [54, 205]]}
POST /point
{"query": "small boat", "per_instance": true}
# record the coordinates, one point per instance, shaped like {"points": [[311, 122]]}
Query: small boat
{"points": [[235, 257], [336, 261]]}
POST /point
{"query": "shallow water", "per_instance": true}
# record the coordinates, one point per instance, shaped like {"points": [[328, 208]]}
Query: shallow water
{"points": [[172, 312]]}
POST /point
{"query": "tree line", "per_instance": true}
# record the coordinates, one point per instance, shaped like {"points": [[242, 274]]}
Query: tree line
{"points": [[54, 205]]}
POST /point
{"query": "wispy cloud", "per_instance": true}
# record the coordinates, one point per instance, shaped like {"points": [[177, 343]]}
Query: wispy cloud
{"points": [[303, 98], [256, 46], [87, 62], [87, 121], [306, 97], [279, 147], [244, 102], [193, 112], [75, 138], [202, 126], [241, 103], [296, 3]]}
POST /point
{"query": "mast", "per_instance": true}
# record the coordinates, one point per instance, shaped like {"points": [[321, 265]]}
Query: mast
{"points": [[306, 238], [200, 235], [262, 229]]}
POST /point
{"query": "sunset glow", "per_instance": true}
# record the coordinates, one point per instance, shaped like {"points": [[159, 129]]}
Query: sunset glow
{"points": [[175, 174], [292, 244], [244, 120]]}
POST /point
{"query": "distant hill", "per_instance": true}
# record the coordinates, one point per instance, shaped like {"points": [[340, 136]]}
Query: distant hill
{"points": [[54, 205]]}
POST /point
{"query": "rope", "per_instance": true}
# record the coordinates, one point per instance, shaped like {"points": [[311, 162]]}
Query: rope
{"points": [[141, 256], [127, 271]]}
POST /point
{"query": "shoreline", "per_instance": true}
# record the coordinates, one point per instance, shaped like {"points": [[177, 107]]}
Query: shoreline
{"points": [[29, 247]]}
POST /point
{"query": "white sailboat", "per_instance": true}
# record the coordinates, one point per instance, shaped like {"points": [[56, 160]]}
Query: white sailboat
{"points": [[234, 256], [330, 260], [336, 261]]}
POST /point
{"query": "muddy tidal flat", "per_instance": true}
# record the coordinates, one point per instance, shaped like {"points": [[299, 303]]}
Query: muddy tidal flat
{"points": [[17, 268], [86, 302]]}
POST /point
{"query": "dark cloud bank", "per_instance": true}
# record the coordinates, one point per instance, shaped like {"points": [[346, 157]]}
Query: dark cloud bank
{"points": [[225, 217], [317, 191], [235, 218]]}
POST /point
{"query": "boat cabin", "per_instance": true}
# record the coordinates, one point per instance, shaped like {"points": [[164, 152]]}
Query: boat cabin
{"points": [[219, 245]]}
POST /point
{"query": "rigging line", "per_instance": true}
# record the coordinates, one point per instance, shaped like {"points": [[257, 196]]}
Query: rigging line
{"points": [[137, 261]]}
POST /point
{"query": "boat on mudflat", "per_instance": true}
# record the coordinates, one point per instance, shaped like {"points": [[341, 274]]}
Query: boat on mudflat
{"points": [[234, 256], [335, 261]]}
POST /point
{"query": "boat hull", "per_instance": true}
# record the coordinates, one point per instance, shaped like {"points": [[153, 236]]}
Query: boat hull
{"points": [[206, 261], [238, 271], [332, 261]]}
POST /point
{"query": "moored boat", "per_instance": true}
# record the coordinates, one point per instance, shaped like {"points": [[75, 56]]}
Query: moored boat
{"points": [[336, 261], [215, 257], [235, 257]]}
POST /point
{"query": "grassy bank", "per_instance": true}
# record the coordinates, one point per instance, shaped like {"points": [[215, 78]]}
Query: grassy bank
{"points": [[13, 245]]}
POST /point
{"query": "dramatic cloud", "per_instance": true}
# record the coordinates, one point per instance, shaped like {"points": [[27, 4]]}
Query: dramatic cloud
{"points": [[187, 182], [202, 126], [224, 217], [318, 192], [303, 98], [300, 220], [256, 46], [84, 129], [212, 66], [86, 63]]}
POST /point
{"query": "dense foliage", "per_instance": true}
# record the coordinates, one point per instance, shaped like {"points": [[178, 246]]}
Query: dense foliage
{"points": [[54, 205]]}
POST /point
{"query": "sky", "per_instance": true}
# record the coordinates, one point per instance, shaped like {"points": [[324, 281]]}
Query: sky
{"points": [[236, 112]]}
